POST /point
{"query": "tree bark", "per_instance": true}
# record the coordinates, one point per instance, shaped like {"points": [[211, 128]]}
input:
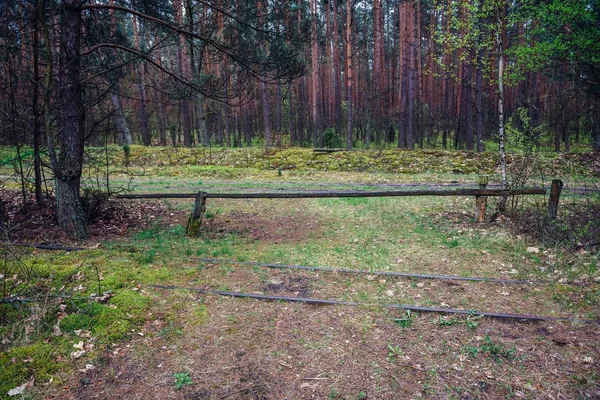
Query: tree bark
{"points": [[162, 107], [469, 136], [595, 124], [68, 164], [377, 83], [125, 137], [278, 112], [202, 128], [184, 104], [349, 73], [337, 71], [430, 79], [37, 117], [500, 50], [142, 113], [315, 74], [293, 131], [141, 103], [412, 32], [479, 102], [266, 114]]}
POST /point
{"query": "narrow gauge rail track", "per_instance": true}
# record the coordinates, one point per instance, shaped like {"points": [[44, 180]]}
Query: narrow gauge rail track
{"points": [[367, 272], [315, 301]]}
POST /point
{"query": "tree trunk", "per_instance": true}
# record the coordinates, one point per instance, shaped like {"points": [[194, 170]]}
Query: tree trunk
{"points": [[246, 123], [315, 74], [202, 129], [37, 117], [469, 136], [141, 103], [125, 137], [430, 79], [68, 165], [219, 126], [595, 133], [337, 71], [479, 102], [278, 112], [293, 134], [565, 129], [227, 129], [162, 120], [410, 134], [142, 113], [162, 108], [301, 103], [184, 104], [403, 72], [502, 200], [377, 83], [349, 73], [266, 114]]}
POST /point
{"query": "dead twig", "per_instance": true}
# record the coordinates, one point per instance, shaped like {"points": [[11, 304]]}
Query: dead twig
{"points": [[284, 364]]}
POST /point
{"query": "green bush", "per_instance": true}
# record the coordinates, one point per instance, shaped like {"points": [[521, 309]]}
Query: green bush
{"points": [[331, 139]]}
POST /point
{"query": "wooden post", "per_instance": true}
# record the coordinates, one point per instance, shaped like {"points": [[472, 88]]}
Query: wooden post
{"points": [[194, 221], [555, 190], [481, 201]]}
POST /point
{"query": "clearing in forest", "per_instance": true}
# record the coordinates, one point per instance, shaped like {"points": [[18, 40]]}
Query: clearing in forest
{"points": [[137, 341]]}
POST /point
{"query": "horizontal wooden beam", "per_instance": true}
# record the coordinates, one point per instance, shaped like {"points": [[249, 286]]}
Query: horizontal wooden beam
{"points": [[314, 195]]}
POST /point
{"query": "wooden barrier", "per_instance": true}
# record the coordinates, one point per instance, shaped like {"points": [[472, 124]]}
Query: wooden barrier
{"points": [[481, 201], [555, 190], [194, 221], [480, 195], [316, 195]]}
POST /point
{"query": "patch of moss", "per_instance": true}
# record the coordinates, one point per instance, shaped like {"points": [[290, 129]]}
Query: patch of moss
{"points": [[116, 281], [231, 162], [72, 322], [9, 313], [21, 364], [131, 302], [163, 274], [112, 332], [111, 324], [108, 323], [199, 315]]}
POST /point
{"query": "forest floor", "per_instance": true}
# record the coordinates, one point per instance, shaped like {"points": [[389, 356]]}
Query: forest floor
{"points": [[105, 331]]}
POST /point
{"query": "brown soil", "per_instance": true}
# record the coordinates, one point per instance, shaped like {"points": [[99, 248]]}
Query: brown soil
{"points": [[112, 219], [267, 228], [258, 350]]}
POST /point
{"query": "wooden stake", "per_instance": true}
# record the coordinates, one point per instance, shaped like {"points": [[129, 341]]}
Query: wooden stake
{"points": [[481, 201], [555, 190], [194, 221]]}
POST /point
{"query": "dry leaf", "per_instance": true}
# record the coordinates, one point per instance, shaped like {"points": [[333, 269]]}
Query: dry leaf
{"points": [[77, 354], [20, 389]]}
